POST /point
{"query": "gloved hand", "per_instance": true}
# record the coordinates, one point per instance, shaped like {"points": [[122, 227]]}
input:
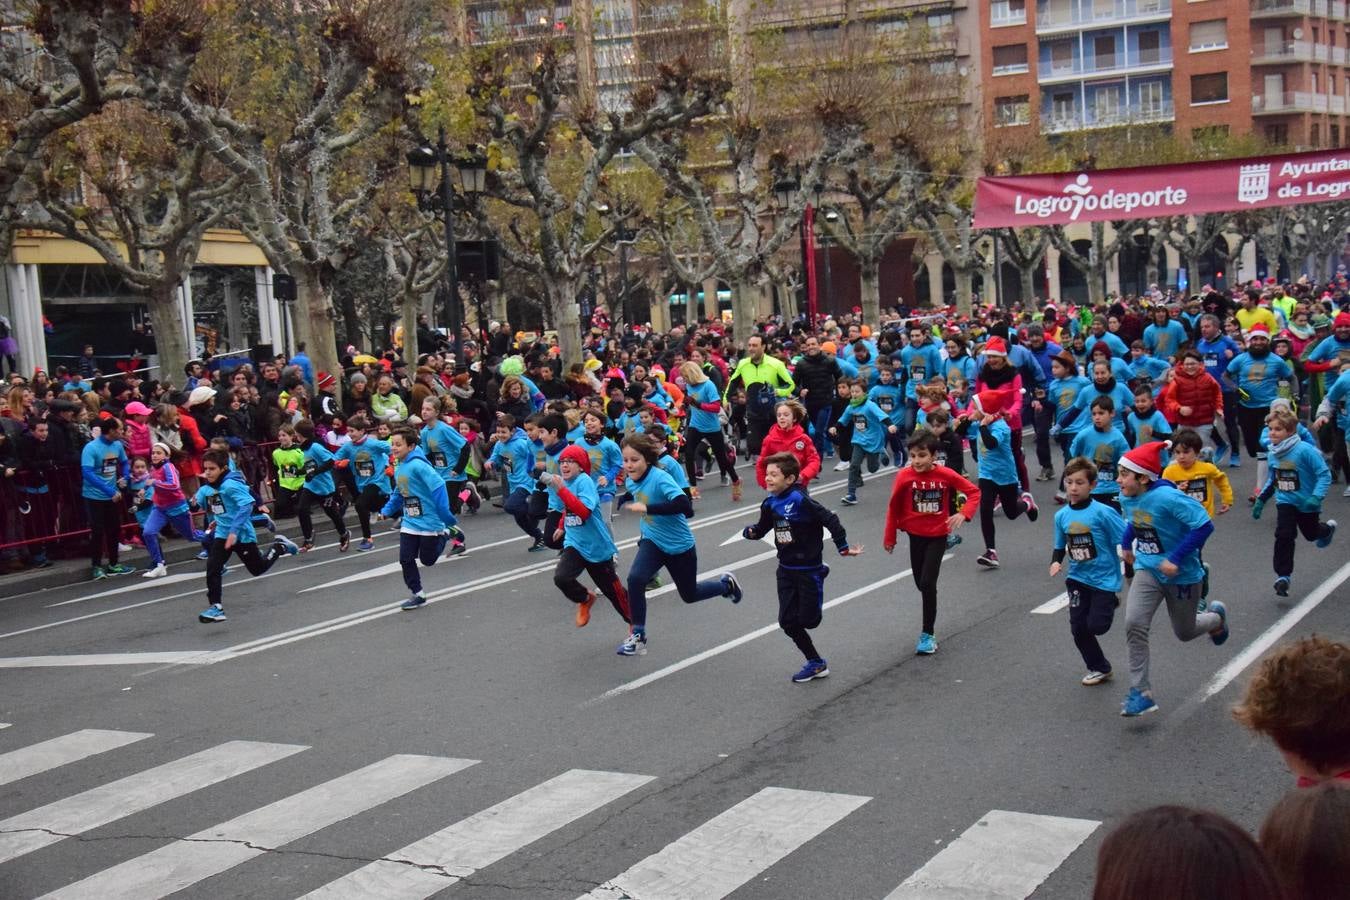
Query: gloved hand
{"points": [[1258, 507], [749, 533]]}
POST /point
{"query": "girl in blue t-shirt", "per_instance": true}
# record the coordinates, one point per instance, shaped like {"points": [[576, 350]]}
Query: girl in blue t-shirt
{"points": [[665, 539], [586, 541]]}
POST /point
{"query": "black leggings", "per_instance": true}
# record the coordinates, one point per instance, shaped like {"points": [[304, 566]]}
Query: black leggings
{"points": [[256, 563], [333, 507], [1251, 420], [1012, 506], [801, 601], [371, 499], [925, 559], [571, 564], [105, 527], [694, 439]]}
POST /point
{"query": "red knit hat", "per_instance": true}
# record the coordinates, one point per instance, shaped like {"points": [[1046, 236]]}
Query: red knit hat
{"points": [[1258, 330], [1342, 320], [326, 381], [996, 347], [578, 456], [1146, 459], [990, 403]]}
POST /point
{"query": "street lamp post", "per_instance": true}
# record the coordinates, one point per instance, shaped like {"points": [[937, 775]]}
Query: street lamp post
{"points": [[624, 237], [425, 164], [785, 193], [830, 218]]}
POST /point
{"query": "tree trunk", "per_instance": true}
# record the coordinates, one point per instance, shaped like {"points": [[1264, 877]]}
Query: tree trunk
{"points": [[1027, 275], [410, 306], [743, 304], [965, 287], [313, 321], [171, 342], [564, 310], [351, 322], [788, 293], [869, 277], [1192, 274], [1096, 283]]}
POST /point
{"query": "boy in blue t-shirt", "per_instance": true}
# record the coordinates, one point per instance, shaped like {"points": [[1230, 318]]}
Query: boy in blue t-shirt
{"points": [[891, 399], [998, 480], [368, 460], [1299, 479], [513, 452], [870, 426], [319, 488], [1087, 533], [1146, 423], [1104, 445], [585, 538]]}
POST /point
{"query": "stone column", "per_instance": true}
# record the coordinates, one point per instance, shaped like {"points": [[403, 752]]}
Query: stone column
{"points": [[185, 311], [269, 314], [710, 309], [933, 262], [25, 299], [1051, 264]]}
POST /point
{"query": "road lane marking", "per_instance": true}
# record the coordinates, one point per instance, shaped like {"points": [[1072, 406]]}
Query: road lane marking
{"points": [[1257, 648], [185, 862], [60, 751], [1004, 856], [732, 644], [439, 860], [1050, 607], [94, 808], [729, 850], [150, 658], [381, 571]]}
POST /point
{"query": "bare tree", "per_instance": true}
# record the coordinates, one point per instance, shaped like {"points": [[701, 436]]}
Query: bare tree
{"points": [[1025, 249], [1195, 237], [1094, 264], [1318, 238]]}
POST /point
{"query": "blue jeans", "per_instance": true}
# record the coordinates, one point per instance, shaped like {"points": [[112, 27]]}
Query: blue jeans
{"points": [[820, 428], [683, 569], [517, 503], [414, 547], [182, 523]]}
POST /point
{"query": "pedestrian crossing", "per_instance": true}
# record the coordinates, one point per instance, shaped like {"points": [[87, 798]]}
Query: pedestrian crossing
{"points": [[1005, 855]]}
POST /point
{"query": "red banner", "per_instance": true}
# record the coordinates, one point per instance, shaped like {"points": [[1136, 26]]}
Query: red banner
{"points": [[1019, 201]]}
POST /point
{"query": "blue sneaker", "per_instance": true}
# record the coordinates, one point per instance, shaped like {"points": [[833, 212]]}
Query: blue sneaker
{"points": [[203, 555], [732, 587], [925, 646], [1282, 586], [1221, 634], [212, 613], [286, 545], [1137, 704], [365, 546], [814, 668], [413, 602], [1325, 539], [1235, 462], [849, 500], [633, 645], [265, 521]]}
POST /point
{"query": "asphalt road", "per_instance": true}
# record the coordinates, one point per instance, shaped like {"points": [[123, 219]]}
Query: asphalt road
{"points": [[491, 749]]}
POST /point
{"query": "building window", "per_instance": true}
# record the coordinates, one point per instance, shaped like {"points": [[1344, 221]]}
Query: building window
{"points": [[1008, 12], [1210, 35], [1335, 135], [1012, 110], [1209, 134], [1150, 99], [1150, 48], [1010, 59], [942, 67], [1315, 135], [1277, 134], [1211, 88], [939, 21]]}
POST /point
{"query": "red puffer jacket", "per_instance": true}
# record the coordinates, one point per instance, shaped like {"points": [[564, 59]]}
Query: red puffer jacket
{"points": [[1200, 392], [795, 441]]}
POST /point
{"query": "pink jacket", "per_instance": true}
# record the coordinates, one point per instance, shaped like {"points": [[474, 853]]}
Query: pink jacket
{"points": [[138, 439]]}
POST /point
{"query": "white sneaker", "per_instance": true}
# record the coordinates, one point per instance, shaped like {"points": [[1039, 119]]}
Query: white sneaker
{"points": [[1092, 678], [124, 548], [1346, 492], [841, 467], [158, 571]]}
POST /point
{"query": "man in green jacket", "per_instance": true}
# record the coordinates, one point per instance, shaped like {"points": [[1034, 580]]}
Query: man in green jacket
{"points": [[765, 380]]}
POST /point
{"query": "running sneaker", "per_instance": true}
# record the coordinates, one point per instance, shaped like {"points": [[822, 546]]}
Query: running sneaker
{"points": [[1207, 455], [212, 613], [654, 583], [1346, 492], [633, 645], [1235, 461], [885, 459], [345, 543], [365, 546], [584, 609], [841, 466], [458, 544], [1092, 678], [1047, 474], [737, 490], [1282, 586], [1033, 511], [537, 547], [1220, 634], [413, 602], [724, 479], [1061, 498], [204, 555], [953, 539], [286, 544], [849, 500], [125, 547], [732, 588], [158, 571], [120, 569], [307, 546], [266, 521], [1137, 703], [695, 494], [814, 668], [1325, 539], [97, 573], [989, 560], [925, 645]]}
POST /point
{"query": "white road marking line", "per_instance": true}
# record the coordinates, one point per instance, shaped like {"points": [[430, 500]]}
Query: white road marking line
{"points": [[729, 850], [136, 586], [738, 538], [183, 863], [1282, 626], [381, 571], [1004, 856], [1050, 607], [743, 639], [482, 839], [4, 724], [60, 751], [152, 658], [94, 808], [729, 567]]}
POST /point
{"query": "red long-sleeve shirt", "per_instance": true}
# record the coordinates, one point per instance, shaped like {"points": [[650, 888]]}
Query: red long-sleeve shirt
{"points": [[921, 504]]}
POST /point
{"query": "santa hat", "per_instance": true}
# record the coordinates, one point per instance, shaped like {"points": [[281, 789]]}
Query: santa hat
{"points": [[1342, 320], [990, 403], [578, 456], [996, 347], [1258, 330], [326, 381], [1146, 459]]}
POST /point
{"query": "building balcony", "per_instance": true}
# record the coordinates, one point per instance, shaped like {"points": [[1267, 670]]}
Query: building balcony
{"points": [[1073, 17], [1134, 62], [1297, 52], [1336, 104], [1289, 102], [1274, 9], [1084, 120]]}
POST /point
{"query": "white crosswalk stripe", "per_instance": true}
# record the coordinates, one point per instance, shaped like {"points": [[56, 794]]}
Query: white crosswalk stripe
{"points": [[59, 751], [728, 850], [94, 808], [1004, 856], [458, 851], [210, 852]]}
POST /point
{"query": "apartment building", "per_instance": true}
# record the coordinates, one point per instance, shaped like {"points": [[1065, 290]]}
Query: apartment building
{"points": [[1275, 68]]}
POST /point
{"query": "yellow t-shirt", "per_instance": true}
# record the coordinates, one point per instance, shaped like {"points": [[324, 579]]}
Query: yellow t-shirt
{"points": [[1200, 482], [1249, 317]]}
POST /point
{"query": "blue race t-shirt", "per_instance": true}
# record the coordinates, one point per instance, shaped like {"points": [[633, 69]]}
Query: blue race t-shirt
{"points": [[1089, 538], [670, 533]]}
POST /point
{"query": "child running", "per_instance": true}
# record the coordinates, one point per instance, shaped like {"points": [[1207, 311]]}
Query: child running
{"points": [[1299, 478], [788, 435], [169, 507], [997, 469], [513, 451], [605, 457], [319, 488], [226, 495], [924, 505], [422, 501], [870, 427], [1104, 445], [1087, 533], [665, 539], [289, 460], [1164, 533], [586, 541], [367, 458], [798, 524], [1200, 480]]}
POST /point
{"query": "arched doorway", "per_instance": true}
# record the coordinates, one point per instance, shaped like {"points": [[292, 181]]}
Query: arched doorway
{"points": [[1073, 286]]}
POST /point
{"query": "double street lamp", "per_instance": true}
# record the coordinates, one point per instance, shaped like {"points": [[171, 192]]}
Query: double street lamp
{"points": [[429, 176]]}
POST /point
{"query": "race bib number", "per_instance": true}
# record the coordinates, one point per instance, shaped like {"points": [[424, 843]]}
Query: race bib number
{"points": [[1211, 360], [412, 507], [311, 467], [860, 425], [572, 521], [109, 469], [941, 458], [216, 505], [886, 403], [1196, 489], [290, 472], [928, 502], [365, 468], [1106, 472], [1146, 540], [438, 460], [918, 372], [1286, 480], [1082, 548], [782, 532]]}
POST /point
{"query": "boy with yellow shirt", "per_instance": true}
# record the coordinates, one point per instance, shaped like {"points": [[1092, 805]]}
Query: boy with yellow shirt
{"points": [[1199, 480]]}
